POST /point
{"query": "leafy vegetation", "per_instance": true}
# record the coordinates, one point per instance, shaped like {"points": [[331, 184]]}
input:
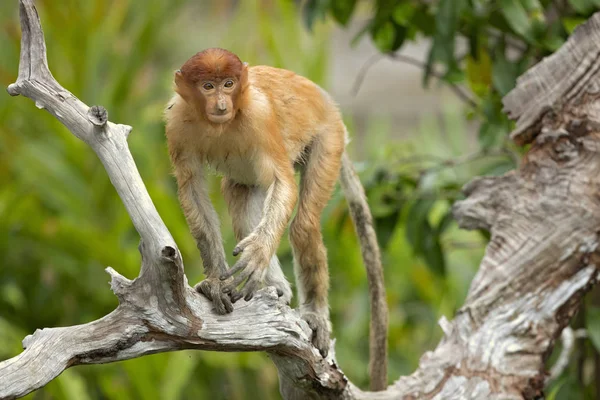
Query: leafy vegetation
{"points": [[62, 223], [482, 45]]}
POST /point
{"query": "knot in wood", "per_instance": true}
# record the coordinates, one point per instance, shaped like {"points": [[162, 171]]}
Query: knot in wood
{"points": [[98, 115], [169, 253]]}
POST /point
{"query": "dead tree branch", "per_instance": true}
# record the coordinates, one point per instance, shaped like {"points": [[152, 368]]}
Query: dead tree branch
{"points": [[543, 217]]}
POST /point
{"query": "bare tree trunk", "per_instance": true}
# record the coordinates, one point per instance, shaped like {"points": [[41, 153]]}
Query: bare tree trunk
{"points": [[544, 219]]}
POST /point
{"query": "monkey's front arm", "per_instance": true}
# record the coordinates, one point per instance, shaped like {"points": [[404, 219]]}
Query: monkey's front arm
{"points": [[204, 225], [257, 248]]}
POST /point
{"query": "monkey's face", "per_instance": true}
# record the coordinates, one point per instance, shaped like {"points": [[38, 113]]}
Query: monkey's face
{"points": [[213, 82], [218, 98]]}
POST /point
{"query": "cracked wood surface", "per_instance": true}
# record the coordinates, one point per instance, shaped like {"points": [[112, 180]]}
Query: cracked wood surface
{"points": [[544, 220]]}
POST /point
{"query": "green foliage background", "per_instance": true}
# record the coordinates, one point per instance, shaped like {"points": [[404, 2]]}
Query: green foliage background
{"points": [[61, 222]]}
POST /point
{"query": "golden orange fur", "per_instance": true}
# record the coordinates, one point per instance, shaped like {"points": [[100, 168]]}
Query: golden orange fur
{"points": [[255, 132]]}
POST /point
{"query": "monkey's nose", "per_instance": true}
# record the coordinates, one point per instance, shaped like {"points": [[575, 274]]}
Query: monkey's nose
{"points": [[222, 106]]}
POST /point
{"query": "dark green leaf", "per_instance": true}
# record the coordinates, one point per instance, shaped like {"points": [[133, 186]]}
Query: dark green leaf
{"points": [[417, 223], [389, 36], [424, 21], [432, 252], [445, 222], [342, 10], [385, 228], [314, 9]]}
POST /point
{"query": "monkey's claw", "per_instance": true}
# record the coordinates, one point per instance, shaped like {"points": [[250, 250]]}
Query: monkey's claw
{"points": [[320, 327], [212, 289]]}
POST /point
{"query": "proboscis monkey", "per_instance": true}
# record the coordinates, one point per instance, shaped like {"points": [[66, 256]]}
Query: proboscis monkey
{"points": [[256, 126]]}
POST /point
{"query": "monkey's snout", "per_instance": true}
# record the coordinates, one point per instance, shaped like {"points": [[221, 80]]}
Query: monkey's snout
{"points": [[222, 107]]}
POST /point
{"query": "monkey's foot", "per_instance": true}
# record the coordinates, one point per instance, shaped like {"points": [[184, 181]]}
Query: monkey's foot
{"points": [[320, 327], [212, 289], [284, 290]]}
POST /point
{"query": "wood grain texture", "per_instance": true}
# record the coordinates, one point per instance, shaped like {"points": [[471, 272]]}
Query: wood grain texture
{"points": [[544, 220]]}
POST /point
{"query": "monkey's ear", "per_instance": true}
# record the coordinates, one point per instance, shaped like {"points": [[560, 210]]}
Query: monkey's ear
{"points": [[244, 77], [179, 79], [182, 86]]}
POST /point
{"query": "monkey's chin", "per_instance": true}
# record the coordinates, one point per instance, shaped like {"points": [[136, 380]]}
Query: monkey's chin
{"points": [[220, 119]]}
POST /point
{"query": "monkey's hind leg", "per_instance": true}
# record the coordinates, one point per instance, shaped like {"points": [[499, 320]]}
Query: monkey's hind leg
{"points": [[317, 182], [245, 205]]}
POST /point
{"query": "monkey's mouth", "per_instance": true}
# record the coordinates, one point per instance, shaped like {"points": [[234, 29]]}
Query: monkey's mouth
{"points": [[220, 118]]}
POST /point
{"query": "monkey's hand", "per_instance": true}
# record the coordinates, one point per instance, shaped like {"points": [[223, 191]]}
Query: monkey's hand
{"points": [[321, 327], [212, 289], [252, 268]]}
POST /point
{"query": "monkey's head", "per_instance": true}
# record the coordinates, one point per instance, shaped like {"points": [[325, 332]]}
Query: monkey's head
{"points": [[213, 82]]}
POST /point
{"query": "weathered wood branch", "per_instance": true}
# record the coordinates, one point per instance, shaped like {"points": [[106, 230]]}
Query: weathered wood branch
{"points": [[544, 219]]}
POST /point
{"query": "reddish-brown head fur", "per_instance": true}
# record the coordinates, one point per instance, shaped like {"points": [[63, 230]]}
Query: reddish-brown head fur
{"points": [[212, 64], [204, 82]]}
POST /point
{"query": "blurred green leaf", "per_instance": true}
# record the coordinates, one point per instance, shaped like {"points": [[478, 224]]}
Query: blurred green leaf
{"points": [[571, 23], [516, 16], [571, 389], [313, 10], [504, 74], [73, 385], [342, 10], [443, 47], [592, 323], [582, 6], [403, 12]]}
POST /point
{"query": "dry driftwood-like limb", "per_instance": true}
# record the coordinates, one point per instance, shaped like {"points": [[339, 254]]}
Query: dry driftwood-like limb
{"points": [[542, 257]]}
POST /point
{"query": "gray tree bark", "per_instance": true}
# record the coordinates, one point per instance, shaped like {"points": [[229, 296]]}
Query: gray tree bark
{"points": [[544, 219]]}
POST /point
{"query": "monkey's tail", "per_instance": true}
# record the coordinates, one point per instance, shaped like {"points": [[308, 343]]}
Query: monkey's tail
{"points": [[363, 224]]}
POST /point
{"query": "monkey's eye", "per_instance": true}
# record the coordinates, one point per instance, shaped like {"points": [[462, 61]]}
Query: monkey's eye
{"points": [[229, 83], [208, 86]]}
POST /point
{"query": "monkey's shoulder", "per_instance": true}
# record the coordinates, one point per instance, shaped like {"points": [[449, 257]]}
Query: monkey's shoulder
{"points": [[281, 82]]}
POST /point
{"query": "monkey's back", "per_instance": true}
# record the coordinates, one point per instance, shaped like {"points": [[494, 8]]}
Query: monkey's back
{"points": [[307, 109]]}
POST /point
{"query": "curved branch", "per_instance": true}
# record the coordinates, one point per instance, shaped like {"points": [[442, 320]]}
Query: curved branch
{"points": [[542, 258]]}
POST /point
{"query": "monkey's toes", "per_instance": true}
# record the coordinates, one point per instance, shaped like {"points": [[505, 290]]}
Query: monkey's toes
{"points": [[320, 328], [211, 289]]}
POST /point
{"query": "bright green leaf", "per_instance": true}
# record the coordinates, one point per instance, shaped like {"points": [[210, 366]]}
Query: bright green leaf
{"points": [[384, 36], [404, 12], [570, 23]]}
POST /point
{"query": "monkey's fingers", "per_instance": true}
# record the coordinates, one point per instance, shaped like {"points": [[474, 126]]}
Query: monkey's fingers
{"points": [[238, 266], [237, 281], [251, 286], [235, 296], [241, 246], [237, 250], [204, 289], [212, 291], [320, 336], [222, 301]]}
